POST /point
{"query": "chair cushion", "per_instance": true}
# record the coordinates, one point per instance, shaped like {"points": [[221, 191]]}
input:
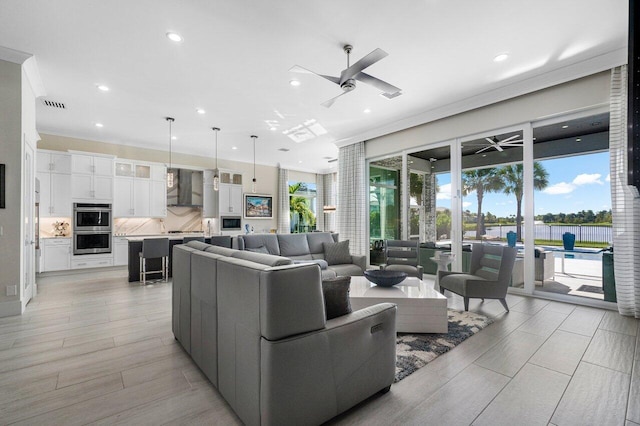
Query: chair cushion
{"points": [[409, 269], [456, 282], [336, 296], [337, 253], [489, 266]]}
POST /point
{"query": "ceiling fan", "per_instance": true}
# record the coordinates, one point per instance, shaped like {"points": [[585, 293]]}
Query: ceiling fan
{"points": [[514, 140], [348, 76]]}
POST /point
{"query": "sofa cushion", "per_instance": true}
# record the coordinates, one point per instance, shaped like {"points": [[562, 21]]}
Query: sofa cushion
{"points": [[316, 239], [336, 296], [223, 251], [270, 241], [337, 253], [264, 259], [261, 249], [198, 245], [293, 244]]}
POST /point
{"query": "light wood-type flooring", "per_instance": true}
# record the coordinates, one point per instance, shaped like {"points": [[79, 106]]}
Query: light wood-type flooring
{"points": [[91, 350]]}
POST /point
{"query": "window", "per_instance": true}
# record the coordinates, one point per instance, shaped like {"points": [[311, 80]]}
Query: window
{"points": [[302, 206], [384, 202]]}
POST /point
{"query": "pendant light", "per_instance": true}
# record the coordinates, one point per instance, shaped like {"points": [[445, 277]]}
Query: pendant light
{"points": [[216, 178], [254, 181], [170, 177]]}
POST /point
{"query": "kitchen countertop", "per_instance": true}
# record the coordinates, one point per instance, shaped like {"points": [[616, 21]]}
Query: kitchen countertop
{"points": [[170, 236]]}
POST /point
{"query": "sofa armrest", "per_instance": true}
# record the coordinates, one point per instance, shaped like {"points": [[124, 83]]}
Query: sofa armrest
{"points": [[360, 261], [310, 378]]}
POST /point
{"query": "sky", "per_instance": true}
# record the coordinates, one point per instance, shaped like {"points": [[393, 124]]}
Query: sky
{"points": [[575, 183]]}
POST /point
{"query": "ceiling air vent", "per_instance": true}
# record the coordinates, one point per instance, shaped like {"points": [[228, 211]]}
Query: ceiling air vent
{"points": [[53, 104], [284, 149]]}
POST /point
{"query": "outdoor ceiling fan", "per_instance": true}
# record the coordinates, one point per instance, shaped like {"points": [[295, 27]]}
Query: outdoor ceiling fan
{"points": [[348, 76], [514, 140]]}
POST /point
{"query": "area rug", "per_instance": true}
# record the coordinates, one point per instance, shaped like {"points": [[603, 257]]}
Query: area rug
{"points": [[414, 351]]}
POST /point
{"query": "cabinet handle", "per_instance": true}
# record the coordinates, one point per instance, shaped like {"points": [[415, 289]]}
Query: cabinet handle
{"points": [[80, 264]]}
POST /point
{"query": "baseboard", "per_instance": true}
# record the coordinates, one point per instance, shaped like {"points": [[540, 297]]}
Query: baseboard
{"points": [[9, 309]]}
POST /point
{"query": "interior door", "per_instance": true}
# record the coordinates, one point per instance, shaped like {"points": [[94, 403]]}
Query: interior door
{"points": [[28, 209]]}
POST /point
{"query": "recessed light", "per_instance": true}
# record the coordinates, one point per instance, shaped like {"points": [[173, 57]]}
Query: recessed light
{"points": [[173, 138], [99, 125], [234, 147], [273, 128], [200, 111], [174, 37], [484, 155], [299, 161], [578, 140], [501, 57], [294, 83], [103, 88], [565, 127], [367, 111]]}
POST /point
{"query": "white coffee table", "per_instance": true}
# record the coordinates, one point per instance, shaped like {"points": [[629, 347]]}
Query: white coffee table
{"points": [[421, 309]]}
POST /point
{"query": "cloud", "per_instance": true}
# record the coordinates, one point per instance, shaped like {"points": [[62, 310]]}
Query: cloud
{"points": [[559, 188], [466, 203], [608, 178], [587, 179], [566, 188], [445, 192]]}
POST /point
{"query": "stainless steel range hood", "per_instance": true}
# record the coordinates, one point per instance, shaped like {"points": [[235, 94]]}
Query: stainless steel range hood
{"points": [[187, 188]]}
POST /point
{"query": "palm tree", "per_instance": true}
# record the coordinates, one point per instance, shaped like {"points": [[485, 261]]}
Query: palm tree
{"points": [[482, 181], [512, 176], [299, 206]]}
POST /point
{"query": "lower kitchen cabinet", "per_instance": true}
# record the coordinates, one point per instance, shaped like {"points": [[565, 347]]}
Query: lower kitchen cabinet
{"points": [[56, 254]]}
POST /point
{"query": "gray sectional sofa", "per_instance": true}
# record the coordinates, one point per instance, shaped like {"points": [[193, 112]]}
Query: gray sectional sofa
{"points": [[255, 325], [300, 247]]}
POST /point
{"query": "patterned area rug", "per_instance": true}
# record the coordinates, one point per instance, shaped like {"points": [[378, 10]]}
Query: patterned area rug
{"points": [[414, 351]]}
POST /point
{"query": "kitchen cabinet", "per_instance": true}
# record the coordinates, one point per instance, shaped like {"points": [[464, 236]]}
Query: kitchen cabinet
{"points": [[55, 162], [92, 261], [92, 165], [158, 202], [120, 251], [56, 254], [92, 178], [136, 193], [55, 200], [91, 187], [230, 199]]}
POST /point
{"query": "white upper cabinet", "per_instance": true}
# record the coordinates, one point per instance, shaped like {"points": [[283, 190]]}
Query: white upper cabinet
{"points": [[140, 189], [92, 178], [53, 162], [230, 199]]}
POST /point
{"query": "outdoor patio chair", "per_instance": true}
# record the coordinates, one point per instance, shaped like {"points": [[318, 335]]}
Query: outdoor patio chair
{"points": [[489, 276], [402, 256]]}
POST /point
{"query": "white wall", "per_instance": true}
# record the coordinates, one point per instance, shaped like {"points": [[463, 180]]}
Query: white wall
{"points": [[568, 97], [11, 156]]}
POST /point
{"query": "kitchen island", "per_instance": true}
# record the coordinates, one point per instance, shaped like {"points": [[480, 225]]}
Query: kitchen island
{"points": [[135, 248]]}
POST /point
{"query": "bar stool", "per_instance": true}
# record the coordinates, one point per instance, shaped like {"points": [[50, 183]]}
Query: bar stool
{"points": [[153, 248]]}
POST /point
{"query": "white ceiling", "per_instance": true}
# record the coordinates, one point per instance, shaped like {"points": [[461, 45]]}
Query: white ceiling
{"points": [[235, 58]]}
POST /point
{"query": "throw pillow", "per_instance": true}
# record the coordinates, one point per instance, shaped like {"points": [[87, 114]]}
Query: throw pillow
{"points": [[336, 296], [337, 253], [261, 249]]}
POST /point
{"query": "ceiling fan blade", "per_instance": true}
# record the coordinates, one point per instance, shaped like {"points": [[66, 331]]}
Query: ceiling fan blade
{"points": [[490, 140], [327, 104], [301, 70], [484, 149], [498, 147], [363, 63], [391, 95], [383, 86], [510, 138]]}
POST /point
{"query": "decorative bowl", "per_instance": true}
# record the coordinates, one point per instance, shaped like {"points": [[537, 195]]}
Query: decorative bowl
{"points": [[385, 278]]}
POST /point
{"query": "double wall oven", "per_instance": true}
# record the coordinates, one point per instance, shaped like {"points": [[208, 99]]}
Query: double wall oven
{"points": [[91, 228]]}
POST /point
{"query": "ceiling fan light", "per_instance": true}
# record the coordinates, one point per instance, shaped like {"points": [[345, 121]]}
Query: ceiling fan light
{"points": [[174, 37]]}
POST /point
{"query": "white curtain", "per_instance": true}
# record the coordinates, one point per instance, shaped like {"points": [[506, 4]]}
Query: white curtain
{"points": [[352, 202], [320, 202], [625, 202], [330, 200], [284, 226]]}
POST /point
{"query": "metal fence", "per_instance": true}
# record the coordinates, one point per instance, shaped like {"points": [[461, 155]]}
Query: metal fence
{"points": [[583, 233]]}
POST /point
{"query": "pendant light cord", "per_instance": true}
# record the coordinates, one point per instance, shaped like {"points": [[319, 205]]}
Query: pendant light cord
{"points": [[170, 120]]}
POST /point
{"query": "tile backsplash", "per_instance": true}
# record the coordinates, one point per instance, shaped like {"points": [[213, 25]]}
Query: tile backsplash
{"points": [[183, 219]]}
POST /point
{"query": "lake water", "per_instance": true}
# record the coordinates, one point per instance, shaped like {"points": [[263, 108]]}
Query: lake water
{"points": [[600, 234]]}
